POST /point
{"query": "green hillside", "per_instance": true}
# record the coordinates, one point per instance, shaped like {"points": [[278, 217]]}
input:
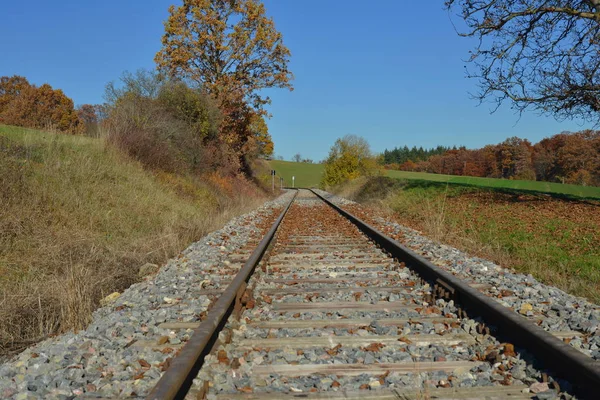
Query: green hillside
{"points": [[528, 186], [307, 175]]}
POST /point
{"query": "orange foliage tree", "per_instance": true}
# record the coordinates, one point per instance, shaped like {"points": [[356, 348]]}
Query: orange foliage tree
{"points": [[261, 139], [232, 49], [23, 104], [566, 157], [569, 157], [10, 88]]}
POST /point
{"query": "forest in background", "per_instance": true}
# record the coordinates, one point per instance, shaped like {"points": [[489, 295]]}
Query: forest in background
{"points": [[568, 157]]}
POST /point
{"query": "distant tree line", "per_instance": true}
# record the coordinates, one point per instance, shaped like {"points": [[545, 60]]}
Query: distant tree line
{"points": [[298, 158], [400, 155], [566, 157]]}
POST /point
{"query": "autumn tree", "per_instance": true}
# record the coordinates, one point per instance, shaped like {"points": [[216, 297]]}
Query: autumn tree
{"points": [[261, 142], [349, 158], [231, 48], [24, 104], [408, 166], [87, 114], [514, 158], [10, 88], [575, 157], [536, 53], [90, 116]]}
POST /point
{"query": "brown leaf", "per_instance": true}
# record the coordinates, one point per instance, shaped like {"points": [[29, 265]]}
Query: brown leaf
{"points": [[139, 376], [162, 340], [509, 350], [333, 351], [144, 363], [165, 364], [222, 357], [374, 347]]}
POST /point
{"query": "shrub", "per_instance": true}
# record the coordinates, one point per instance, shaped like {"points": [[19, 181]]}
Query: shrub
{"points": [[349, 158], [167, 125]]}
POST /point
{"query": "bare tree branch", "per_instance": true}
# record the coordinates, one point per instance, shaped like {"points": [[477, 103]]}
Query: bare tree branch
{"points": [[540, 54]]}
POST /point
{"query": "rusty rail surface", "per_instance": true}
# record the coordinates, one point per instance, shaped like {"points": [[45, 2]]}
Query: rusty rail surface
{"points": [[177, 380], [582, 371]]}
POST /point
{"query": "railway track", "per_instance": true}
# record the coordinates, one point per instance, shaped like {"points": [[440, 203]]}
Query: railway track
{"points": [[326, 307]]}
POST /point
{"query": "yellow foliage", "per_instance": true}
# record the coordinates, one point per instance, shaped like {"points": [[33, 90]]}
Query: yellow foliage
{"points": [[349, 158]]}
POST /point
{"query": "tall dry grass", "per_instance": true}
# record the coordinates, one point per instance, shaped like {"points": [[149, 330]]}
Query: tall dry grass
{"points": [[547, 242], [78, 219]]}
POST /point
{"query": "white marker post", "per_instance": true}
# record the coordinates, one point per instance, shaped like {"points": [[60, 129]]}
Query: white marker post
{"points": [[273, 180], [293, 179]]}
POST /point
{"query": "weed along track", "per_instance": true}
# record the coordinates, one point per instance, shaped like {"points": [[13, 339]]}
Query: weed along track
{"points": [[327, 307]]}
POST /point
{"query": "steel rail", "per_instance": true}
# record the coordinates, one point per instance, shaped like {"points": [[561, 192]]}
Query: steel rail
{"points": [[177, 380], [580, 370]]}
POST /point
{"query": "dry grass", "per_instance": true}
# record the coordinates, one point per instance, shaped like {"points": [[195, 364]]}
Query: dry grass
{"points": [[555, 240], [78, 219]]}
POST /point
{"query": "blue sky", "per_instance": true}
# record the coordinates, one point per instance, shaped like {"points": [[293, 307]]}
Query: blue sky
{"points": [[391, 71]]}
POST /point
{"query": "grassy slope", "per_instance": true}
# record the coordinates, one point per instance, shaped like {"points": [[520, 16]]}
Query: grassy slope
{"points": [[307, 175], [553, 239], [77, 219]]}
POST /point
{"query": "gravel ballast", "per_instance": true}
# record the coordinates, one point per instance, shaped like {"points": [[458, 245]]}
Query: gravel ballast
{"points": [[550, 307], [430, 333]]}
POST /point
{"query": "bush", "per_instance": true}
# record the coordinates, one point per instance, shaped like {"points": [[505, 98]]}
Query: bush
{"points": [[349, 158], [167, 125], [526, 175]]}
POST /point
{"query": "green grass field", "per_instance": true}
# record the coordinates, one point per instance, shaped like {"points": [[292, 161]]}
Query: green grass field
{"points": [[590, 192], [307, 175]]}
